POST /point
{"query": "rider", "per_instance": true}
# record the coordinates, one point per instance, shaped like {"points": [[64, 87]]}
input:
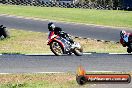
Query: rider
{"points": [[126, 38], [54, 31]]}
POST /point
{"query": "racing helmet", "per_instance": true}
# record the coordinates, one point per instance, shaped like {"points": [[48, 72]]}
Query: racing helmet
{"points": [[51, 26], [122, 33]]}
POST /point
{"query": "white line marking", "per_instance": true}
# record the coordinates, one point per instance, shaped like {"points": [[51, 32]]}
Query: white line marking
{"points": [[4, 73], [28, 18], [3, 15], [40, 54], [19, 17], [11, 16], [103, 71], [120, 53], [87, 53], [51, 54]]}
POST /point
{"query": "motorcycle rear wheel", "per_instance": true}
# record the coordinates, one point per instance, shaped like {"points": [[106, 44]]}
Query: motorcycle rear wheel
{"points": [[56, 48]]}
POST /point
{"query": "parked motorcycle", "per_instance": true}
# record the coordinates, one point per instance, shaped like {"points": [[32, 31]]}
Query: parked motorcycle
{"points": [[60, 45]]}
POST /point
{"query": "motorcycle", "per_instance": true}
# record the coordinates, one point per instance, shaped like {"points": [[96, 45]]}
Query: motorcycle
{"points": [[126, 41], [60, 45]]}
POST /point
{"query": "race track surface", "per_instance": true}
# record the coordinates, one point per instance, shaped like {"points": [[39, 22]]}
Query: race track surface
{"points": [[51, 63], [86, 31]]}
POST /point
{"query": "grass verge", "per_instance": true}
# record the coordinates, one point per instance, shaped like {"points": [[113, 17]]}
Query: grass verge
{"points": [[38, 81], [61, 80], [26, 42], [88, 16]]}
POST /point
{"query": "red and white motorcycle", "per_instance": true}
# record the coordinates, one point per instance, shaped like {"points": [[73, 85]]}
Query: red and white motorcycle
{"points": [[60, 45]]}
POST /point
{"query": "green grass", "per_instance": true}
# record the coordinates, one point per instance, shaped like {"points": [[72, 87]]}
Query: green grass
{"points": [[27, 42], [61, 80], [88, 16], [24, 42], [49, 80]]}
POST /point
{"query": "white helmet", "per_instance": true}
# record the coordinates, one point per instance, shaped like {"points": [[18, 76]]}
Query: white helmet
{"points": [[122, 33], [51, 26]]}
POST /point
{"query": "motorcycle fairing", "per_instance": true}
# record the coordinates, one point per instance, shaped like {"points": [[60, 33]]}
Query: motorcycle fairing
{"points": [[65, 43]]}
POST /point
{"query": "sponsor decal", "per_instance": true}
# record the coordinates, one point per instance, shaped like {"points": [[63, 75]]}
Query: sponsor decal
{"points": [[83, 78]]}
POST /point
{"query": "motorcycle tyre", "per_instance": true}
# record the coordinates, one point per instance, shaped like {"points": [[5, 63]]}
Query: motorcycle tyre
{"points": [[53, 49]]}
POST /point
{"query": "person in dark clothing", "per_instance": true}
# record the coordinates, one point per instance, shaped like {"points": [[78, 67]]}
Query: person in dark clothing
{"points": [[125, 38], [58, 31], [52, 27], [3, 32]]}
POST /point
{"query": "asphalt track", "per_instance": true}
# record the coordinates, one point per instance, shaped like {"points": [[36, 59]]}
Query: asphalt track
{"points": [[51, 63], [85, 31]]}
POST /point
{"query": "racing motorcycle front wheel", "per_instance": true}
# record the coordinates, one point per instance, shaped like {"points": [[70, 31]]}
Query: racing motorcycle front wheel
{"points": [[78, 51], [56, 48]]}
